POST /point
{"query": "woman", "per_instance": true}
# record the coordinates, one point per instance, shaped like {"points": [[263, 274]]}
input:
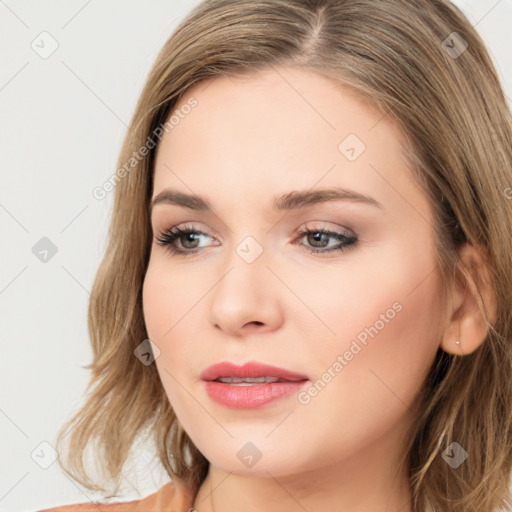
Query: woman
{"points": [[306, 298]]}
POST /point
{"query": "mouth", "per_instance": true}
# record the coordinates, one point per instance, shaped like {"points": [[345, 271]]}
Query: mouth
{"points": [[250, 386], [250, 372], [249, 381]]}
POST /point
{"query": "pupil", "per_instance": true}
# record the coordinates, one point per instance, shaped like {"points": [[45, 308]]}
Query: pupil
{"points": [[317, 236], [190, 237]]}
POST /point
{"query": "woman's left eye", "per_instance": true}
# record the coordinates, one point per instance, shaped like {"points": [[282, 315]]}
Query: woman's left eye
{"points": [[188, 237], [345, 240]]}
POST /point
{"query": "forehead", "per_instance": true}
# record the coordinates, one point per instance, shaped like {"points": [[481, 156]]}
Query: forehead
{"points": [[290, 103], [278, 130]]}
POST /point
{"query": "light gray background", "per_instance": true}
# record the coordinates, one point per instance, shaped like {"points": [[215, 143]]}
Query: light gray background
{"points": [[62, 121]]}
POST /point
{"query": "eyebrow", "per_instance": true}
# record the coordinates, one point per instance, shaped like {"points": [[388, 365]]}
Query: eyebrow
{"points": [[294, 200]]}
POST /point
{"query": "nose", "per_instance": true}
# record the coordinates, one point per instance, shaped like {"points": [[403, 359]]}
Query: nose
{"points": [[247, 298]]}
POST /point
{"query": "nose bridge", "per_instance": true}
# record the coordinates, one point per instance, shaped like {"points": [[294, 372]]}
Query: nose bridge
{"points": [[249, 243], [246, 268], [245, 293]]}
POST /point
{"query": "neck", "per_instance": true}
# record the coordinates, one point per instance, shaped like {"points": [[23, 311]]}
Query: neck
{"points": [[364, 482]]}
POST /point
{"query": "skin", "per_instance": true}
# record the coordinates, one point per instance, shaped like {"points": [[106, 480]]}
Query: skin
{"points": [[248, 140]]}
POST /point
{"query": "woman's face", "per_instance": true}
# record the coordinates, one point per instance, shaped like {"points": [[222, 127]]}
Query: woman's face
{"points": [[361, 324]]}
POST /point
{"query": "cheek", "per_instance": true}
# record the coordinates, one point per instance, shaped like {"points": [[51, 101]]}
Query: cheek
{"points": [[385, 314], [154, 304], [160, 307], [385, 325], [388, 294], [163, 301], [171, 307]]}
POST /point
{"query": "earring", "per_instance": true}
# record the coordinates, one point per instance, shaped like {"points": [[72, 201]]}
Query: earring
{"points": [[458, 342]]}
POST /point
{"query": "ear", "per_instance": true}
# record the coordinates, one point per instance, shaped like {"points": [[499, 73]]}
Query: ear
{"points": [[472, 292]]}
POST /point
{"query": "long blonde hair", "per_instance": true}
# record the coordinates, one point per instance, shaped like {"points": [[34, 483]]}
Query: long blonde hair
{"points": [[409, 59]]}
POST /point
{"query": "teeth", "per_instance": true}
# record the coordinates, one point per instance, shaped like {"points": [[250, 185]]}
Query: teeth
{"points": [[248, 380]]}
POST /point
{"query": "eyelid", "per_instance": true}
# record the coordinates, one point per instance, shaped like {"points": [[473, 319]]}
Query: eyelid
{"points": [[322, 226]]}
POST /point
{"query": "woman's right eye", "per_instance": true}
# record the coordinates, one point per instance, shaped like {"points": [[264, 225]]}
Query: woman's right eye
{"points": [[187, 235]]}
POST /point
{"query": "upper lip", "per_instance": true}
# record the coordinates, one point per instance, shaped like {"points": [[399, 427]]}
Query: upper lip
{"points": [[250, 369]]}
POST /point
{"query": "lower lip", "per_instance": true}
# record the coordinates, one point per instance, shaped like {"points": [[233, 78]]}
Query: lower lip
{"points": [[252, 396]]}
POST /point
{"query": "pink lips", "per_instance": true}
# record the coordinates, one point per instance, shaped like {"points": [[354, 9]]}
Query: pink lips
{"points": [[244, 395]]}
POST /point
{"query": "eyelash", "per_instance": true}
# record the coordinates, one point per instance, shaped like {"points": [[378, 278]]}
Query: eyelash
{"points": [[168, 237]]}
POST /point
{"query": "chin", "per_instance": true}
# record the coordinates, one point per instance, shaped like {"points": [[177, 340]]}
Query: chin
{"points": [[255, 458]]}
